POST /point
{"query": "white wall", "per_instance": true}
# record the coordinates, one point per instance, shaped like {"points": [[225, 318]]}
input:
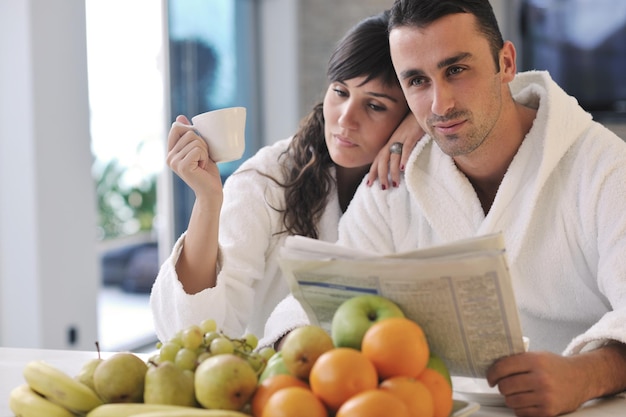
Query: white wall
{"points": [[49, 275], [278, 44], [507, 13], [296, 38]]}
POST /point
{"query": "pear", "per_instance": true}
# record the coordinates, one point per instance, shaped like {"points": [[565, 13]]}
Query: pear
{"points": [[85, 375], [225, 382], [302, 347], [168, 384], [121, 378]]}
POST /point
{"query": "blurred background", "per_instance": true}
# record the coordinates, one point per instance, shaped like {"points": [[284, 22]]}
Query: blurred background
{"points": [[88, 210]]}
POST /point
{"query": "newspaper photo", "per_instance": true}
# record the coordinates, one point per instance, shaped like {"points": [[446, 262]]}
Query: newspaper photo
{"points": [[460, 294]]}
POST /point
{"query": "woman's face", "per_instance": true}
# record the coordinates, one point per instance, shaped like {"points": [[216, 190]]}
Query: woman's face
{"points": [[359, 119]]}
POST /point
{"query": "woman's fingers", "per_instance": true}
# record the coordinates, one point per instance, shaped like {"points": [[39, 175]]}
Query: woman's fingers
{"points": [[184, 143], [183, 119], [372, 173], [177, 131], [393, 157], [386, 166], [188, 154], [179, 128], [379, 169], [395, 166], [187, 158], [409, 144]]}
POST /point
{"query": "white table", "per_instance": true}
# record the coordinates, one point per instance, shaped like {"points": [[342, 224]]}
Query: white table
{"points": [[13, 360], [612, 407]]}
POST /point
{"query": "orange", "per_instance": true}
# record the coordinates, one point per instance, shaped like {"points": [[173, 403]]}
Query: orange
{"points": [[396, 346], [413, 392], [340, 373], [271, 385], [294, 401], [373, 403], [441, 391]]}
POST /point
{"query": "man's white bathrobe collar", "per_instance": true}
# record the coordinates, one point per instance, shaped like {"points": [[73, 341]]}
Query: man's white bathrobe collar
{"points": [[444, 193]]}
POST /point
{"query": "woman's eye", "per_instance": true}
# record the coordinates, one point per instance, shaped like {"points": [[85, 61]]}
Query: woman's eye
{"points": [[340, 92], [376, 107]]}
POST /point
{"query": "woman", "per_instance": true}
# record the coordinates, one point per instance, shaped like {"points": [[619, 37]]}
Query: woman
{"points": [[297, 186]]}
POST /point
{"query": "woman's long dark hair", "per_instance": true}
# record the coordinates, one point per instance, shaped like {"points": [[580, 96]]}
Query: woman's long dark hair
{"points": [[363, 52]]}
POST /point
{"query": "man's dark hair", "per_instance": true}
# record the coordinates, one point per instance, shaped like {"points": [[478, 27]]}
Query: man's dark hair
{"points": [[420, 13]]}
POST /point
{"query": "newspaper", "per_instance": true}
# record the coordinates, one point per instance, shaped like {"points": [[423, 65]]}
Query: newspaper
{"points": [[460, 294]]}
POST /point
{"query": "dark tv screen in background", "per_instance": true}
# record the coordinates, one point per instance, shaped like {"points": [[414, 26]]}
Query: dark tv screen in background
{"points": [[583, 45]]}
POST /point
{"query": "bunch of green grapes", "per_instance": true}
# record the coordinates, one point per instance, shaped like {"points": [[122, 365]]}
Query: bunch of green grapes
{"points": [[189, 347]]}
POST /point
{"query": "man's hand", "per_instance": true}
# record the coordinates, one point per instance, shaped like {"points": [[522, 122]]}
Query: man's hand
{"points": [[544, 384], [539, 384]]}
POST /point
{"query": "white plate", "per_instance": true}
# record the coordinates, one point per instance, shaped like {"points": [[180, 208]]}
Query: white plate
{"points": [[462, 408], [477, 390]]}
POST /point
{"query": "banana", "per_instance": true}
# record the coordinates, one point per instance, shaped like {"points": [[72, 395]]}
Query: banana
{"points": [[158, 410], [24, 402], [59, 387], [130, 409], [195, 412]]}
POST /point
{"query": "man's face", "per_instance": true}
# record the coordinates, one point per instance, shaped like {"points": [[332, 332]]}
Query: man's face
{"points": [[449, 78]]}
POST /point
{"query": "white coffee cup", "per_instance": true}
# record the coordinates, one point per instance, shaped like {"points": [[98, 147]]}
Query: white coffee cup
{"points": [[224, 132]]}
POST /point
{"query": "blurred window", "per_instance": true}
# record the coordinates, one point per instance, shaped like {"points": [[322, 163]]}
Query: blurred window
{"points": [[583, 45], [212, 63]]}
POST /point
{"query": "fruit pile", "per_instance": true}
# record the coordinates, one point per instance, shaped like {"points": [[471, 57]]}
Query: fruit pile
{"points": [[375, 363], [199, 372]]}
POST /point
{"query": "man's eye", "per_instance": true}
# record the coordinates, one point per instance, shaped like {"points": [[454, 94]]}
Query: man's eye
{"points": [[416, 82], [455, 70]]}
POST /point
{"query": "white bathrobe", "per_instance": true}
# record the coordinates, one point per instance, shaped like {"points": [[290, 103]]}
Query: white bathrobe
{"points": [[249, 280], [561, 207]]}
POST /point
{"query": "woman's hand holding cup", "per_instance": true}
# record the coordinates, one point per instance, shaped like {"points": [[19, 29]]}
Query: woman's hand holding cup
{"points": [[188, 157]]}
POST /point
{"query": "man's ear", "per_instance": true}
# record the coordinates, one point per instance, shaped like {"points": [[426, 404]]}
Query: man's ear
{"points": [[508, 67]]}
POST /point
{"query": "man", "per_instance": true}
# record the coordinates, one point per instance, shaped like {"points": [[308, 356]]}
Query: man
{"points": [[511, 153]]}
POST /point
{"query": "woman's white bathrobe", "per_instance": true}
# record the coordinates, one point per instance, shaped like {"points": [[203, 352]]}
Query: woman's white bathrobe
{"points": [[249, 280], [561, 207]]}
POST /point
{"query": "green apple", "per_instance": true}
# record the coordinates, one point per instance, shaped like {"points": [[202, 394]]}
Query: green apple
{"points": [[435, 362], [166, 383], [357, 314], [225, 382], [302, 347], [275, 366]]}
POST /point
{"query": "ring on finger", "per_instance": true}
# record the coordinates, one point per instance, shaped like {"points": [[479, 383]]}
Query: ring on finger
{"points": [[396, 148]]}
